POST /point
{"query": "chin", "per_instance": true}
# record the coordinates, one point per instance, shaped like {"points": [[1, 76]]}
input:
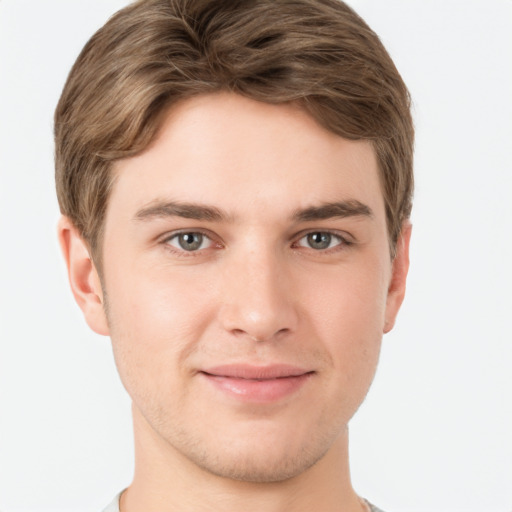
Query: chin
{"points": [[259, 467], [262, 457]]}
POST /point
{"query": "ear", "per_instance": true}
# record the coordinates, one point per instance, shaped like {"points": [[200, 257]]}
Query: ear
{"points": [[400, 267], [83, 276]]}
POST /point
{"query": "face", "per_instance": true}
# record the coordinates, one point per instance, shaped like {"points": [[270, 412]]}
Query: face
{"points": [[248, 279]]}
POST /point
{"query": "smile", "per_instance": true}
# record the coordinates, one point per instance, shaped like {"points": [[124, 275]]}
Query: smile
{"points": [[259, 384]]}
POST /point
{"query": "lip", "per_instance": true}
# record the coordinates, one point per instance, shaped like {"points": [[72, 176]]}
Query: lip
{"points": [[259, 384]]}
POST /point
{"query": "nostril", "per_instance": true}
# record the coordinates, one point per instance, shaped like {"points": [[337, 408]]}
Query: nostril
{"points": [[241, 332], [260, 339]]}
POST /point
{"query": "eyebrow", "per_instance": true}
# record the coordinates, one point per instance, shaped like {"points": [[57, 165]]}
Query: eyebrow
{"points": [[340, 209], [163, 209]]}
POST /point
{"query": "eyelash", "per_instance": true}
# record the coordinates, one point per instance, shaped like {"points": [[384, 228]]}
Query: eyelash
{"points": [[182, 252], [342, 242]]}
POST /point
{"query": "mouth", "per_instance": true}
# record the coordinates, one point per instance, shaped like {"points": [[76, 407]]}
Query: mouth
{"points": [[259, 384]]}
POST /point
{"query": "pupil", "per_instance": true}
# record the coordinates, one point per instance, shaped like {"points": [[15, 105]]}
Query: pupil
{"points": [[191, 241], [319, 240]]}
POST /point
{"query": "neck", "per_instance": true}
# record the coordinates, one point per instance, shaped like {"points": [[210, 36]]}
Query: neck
{"points": [[166, 481]]}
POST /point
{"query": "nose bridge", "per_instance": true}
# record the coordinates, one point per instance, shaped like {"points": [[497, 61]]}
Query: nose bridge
{"points": [[258, 298]]}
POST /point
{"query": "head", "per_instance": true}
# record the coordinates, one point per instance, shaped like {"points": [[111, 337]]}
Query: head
{"points": [[236, 179], [317, 54]]}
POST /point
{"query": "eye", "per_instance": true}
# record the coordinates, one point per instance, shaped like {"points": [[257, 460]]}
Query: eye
{"points": [[321, 240], [189, 241]]}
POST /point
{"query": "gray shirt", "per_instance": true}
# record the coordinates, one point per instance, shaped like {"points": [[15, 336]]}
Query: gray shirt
{"points": [[114, 506]]}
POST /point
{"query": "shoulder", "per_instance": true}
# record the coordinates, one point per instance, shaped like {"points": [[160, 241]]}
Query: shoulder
{"points": [[371, 507], [114, 505]]}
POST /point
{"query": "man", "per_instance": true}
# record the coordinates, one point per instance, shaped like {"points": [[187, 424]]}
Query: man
{"points": [[235, 180]]}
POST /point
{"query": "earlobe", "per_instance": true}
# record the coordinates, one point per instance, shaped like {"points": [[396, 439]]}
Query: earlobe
{"points": [[397, 284], [83, 276]]}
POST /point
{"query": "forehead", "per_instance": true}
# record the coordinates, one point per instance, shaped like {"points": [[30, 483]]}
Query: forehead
{"points": [[246, 156]]}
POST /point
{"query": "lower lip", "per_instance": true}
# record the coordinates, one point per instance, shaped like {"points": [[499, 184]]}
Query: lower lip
{"points": [[259, 391]]}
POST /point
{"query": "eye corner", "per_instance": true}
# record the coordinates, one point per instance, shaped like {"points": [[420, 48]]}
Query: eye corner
{"points": [[326, 241], [189, 242]]}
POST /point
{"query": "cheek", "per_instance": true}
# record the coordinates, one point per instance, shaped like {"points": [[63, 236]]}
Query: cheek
{"points": [[155, 319], [158, 303], [347, 314], [347, 303]]}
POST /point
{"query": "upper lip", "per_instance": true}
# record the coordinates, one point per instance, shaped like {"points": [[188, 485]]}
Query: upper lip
{"points": [[247, 371]]}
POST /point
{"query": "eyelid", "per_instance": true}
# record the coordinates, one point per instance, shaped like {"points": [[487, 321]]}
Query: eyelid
{"points": [[165, 239], [345, 238]]}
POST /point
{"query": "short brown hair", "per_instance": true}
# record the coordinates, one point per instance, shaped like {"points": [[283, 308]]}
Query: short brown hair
{"points": [[318, 54]]}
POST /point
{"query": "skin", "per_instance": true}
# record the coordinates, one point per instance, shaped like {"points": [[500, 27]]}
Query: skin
{"points": [[257, 291]]}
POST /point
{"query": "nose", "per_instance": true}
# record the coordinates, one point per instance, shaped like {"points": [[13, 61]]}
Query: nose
{"points": [[257, 297]]}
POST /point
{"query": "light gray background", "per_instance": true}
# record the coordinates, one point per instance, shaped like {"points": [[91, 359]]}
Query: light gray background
{"points": [[435, 432]]}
